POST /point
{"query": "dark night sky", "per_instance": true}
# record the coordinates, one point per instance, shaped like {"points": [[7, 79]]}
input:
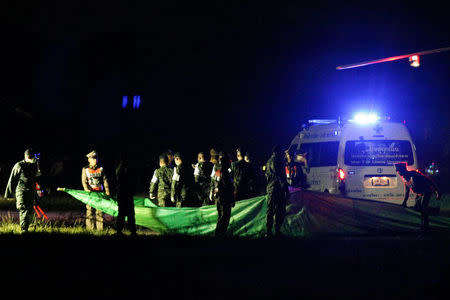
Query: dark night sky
{"points": [[227, 73]]}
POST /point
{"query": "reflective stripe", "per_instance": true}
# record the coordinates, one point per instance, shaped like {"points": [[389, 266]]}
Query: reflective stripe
{"points": [[196, 170], [154, 178], [94, 178], [176, 176]]}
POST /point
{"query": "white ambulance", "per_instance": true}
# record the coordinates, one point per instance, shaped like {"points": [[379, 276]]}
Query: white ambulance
{"points": [[355, 158]]}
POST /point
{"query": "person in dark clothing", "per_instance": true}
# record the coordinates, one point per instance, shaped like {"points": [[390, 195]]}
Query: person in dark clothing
{"points": [[423, 186], [182, 183], [240, 173], [161, 182], [125, 189], [202, 176], [256, 181], [294, 171], [301, 159], [222, 193], [170, 158], [21, 185], [277, 191]]}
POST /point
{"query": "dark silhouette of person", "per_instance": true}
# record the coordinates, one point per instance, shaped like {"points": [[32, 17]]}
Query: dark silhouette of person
{"points": [[222, 193], [420, 184], [241, 175], [182, 189], [125, 189], [277, 191]]}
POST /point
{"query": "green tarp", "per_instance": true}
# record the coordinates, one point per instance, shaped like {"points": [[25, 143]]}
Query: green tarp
{"points": [[308, 213]]}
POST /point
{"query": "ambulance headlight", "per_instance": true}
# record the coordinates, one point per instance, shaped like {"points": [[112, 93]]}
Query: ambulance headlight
{"points": [[365, 118]]}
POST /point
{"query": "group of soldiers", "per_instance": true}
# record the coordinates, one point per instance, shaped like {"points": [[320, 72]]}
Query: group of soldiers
{"points": [[221, 181], [217, 180], [214, 180], [176, 183]]}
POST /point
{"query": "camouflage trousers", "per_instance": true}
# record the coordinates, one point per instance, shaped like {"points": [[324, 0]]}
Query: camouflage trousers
{"points": [[24, 203], [164, 199], [94, 218]]}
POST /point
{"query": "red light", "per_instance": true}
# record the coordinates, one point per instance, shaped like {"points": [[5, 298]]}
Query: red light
{"points": [[414, 61], [341, 174]]}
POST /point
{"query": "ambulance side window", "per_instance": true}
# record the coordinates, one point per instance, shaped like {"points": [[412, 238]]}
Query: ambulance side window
{"points": [[320, 154]]}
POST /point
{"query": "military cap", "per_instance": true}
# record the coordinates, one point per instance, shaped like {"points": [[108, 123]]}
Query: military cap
{"points": [[213, 152], [241, 150], [92, 154], [29, 152]]}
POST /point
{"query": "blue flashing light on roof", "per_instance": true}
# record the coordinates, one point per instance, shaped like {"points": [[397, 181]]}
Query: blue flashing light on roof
{"points": [[136, 101], [322, 121], [124, 101], [365, 118]]}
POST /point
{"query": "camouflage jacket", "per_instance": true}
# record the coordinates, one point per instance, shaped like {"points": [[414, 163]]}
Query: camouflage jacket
{"points": [[22, 179], [276, 176], [161, 182]]}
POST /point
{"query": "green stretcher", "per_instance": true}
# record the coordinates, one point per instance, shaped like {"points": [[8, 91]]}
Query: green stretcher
{"points": [[307, 214]]}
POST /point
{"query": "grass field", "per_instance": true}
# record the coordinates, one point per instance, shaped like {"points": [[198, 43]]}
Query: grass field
{"points": [[57, 201], [63, 260]]}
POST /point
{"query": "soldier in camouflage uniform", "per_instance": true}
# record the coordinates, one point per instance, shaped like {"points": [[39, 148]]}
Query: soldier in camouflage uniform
{"points": [[202, 176], [21, 185], [277, 191], [161, 182], [93, 179], [182, 183]]}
